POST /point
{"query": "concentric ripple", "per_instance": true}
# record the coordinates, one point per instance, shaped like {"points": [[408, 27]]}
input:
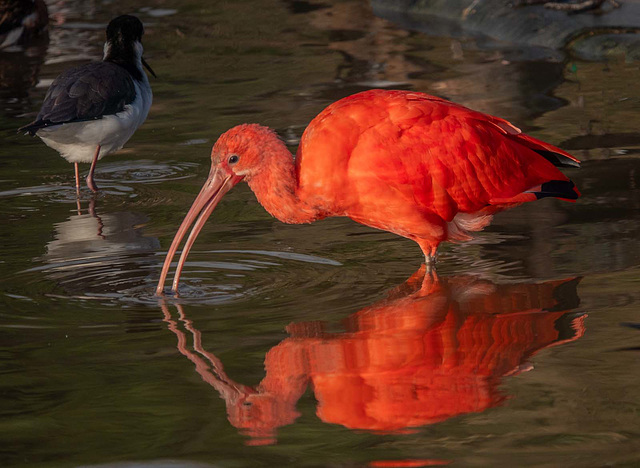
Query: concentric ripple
{"points": [[143, 172], [113, 178], [108, 259]]}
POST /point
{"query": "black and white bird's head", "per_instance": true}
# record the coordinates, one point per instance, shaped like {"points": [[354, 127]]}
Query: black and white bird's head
{"points": [[124, 45]]}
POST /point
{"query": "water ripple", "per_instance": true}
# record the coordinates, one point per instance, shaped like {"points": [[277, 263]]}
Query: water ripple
{"points": [[113, 178], [123, 267], [144, 172]]}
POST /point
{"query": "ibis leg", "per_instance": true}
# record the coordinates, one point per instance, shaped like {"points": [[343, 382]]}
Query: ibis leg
{"points": [[430, 252], [90, 182]]}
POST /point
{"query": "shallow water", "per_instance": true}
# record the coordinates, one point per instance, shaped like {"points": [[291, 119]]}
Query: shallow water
{"points": [[303, 345]]}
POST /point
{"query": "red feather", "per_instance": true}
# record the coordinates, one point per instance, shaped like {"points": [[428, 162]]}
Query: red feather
{"points": [[409, 163]]}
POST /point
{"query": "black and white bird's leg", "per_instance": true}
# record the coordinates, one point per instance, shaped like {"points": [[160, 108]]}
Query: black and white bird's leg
{"points": [[92, 212], [90, 182], [77, 169]]}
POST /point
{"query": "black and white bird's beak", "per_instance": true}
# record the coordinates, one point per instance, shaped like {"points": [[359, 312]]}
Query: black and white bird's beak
{"points": [[146, 65]]}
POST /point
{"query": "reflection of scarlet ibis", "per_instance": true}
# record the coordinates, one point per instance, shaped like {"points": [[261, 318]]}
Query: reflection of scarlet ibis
{"points": [[432, 350], [412, 164]]}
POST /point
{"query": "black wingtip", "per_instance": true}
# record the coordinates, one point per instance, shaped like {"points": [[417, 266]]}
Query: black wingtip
{"points": [[27, 129], [557, 159], [32, 128], [564, 189], [566, 295]]}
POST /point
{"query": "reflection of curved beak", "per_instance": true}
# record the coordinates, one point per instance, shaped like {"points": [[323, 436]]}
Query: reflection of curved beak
{"points": [[146, 65], [218, 183]]}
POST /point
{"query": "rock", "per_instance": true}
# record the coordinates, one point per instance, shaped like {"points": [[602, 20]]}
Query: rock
{"points": [[529, 26]]}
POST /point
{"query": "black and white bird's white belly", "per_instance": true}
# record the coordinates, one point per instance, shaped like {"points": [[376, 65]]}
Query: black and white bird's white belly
{"points": [[77, 141]]}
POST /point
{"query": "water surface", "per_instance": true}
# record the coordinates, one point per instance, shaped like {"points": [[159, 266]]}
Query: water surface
{"points": [[322, 344]]}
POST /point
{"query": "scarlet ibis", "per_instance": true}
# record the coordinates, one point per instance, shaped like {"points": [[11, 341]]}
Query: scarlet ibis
{"points": [[405, 162], [92, 110]]}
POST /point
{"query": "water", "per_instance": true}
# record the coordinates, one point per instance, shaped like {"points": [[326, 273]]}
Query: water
{"points": [[303, 345]]}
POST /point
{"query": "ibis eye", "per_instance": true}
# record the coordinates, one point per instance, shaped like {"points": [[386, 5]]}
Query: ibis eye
{"points": [[233, 158]]}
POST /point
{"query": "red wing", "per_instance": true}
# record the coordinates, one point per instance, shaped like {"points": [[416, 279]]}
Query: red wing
{"points": [[479, 165], [440, 156]]}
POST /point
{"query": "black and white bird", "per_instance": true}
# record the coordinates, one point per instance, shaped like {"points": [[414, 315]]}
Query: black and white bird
{"points": [[21, 20], [92, 110]]}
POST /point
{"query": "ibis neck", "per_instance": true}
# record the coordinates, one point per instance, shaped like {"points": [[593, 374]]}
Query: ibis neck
{"points": [[275, 188]]}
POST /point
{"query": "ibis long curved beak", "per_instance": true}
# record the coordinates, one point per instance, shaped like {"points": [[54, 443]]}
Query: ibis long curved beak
{"points": [[218, 183]]}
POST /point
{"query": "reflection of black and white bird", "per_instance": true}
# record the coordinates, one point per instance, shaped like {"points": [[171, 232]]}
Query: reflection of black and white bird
{"points": [[20, 20], [92, 110]]}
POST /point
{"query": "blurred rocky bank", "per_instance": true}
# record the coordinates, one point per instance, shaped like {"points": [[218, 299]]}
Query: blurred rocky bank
{"points": [[612, 29]]}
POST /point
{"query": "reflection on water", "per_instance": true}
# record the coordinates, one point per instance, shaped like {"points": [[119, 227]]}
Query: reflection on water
{"points": [[19, 72], [101, 256], [96, 254], [85, 356], [91, 235], [431, 350], [114, 178], [507, 82], [63, 42]]}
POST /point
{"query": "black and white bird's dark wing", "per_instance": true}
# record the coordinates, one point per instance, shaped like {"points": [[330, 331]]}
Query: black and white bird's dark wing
{"points": [[87, 92]]}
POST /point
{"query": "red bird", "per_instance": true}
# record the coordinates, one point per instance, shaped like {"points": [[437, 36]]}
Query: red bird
{"points": [[405, 162]]}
